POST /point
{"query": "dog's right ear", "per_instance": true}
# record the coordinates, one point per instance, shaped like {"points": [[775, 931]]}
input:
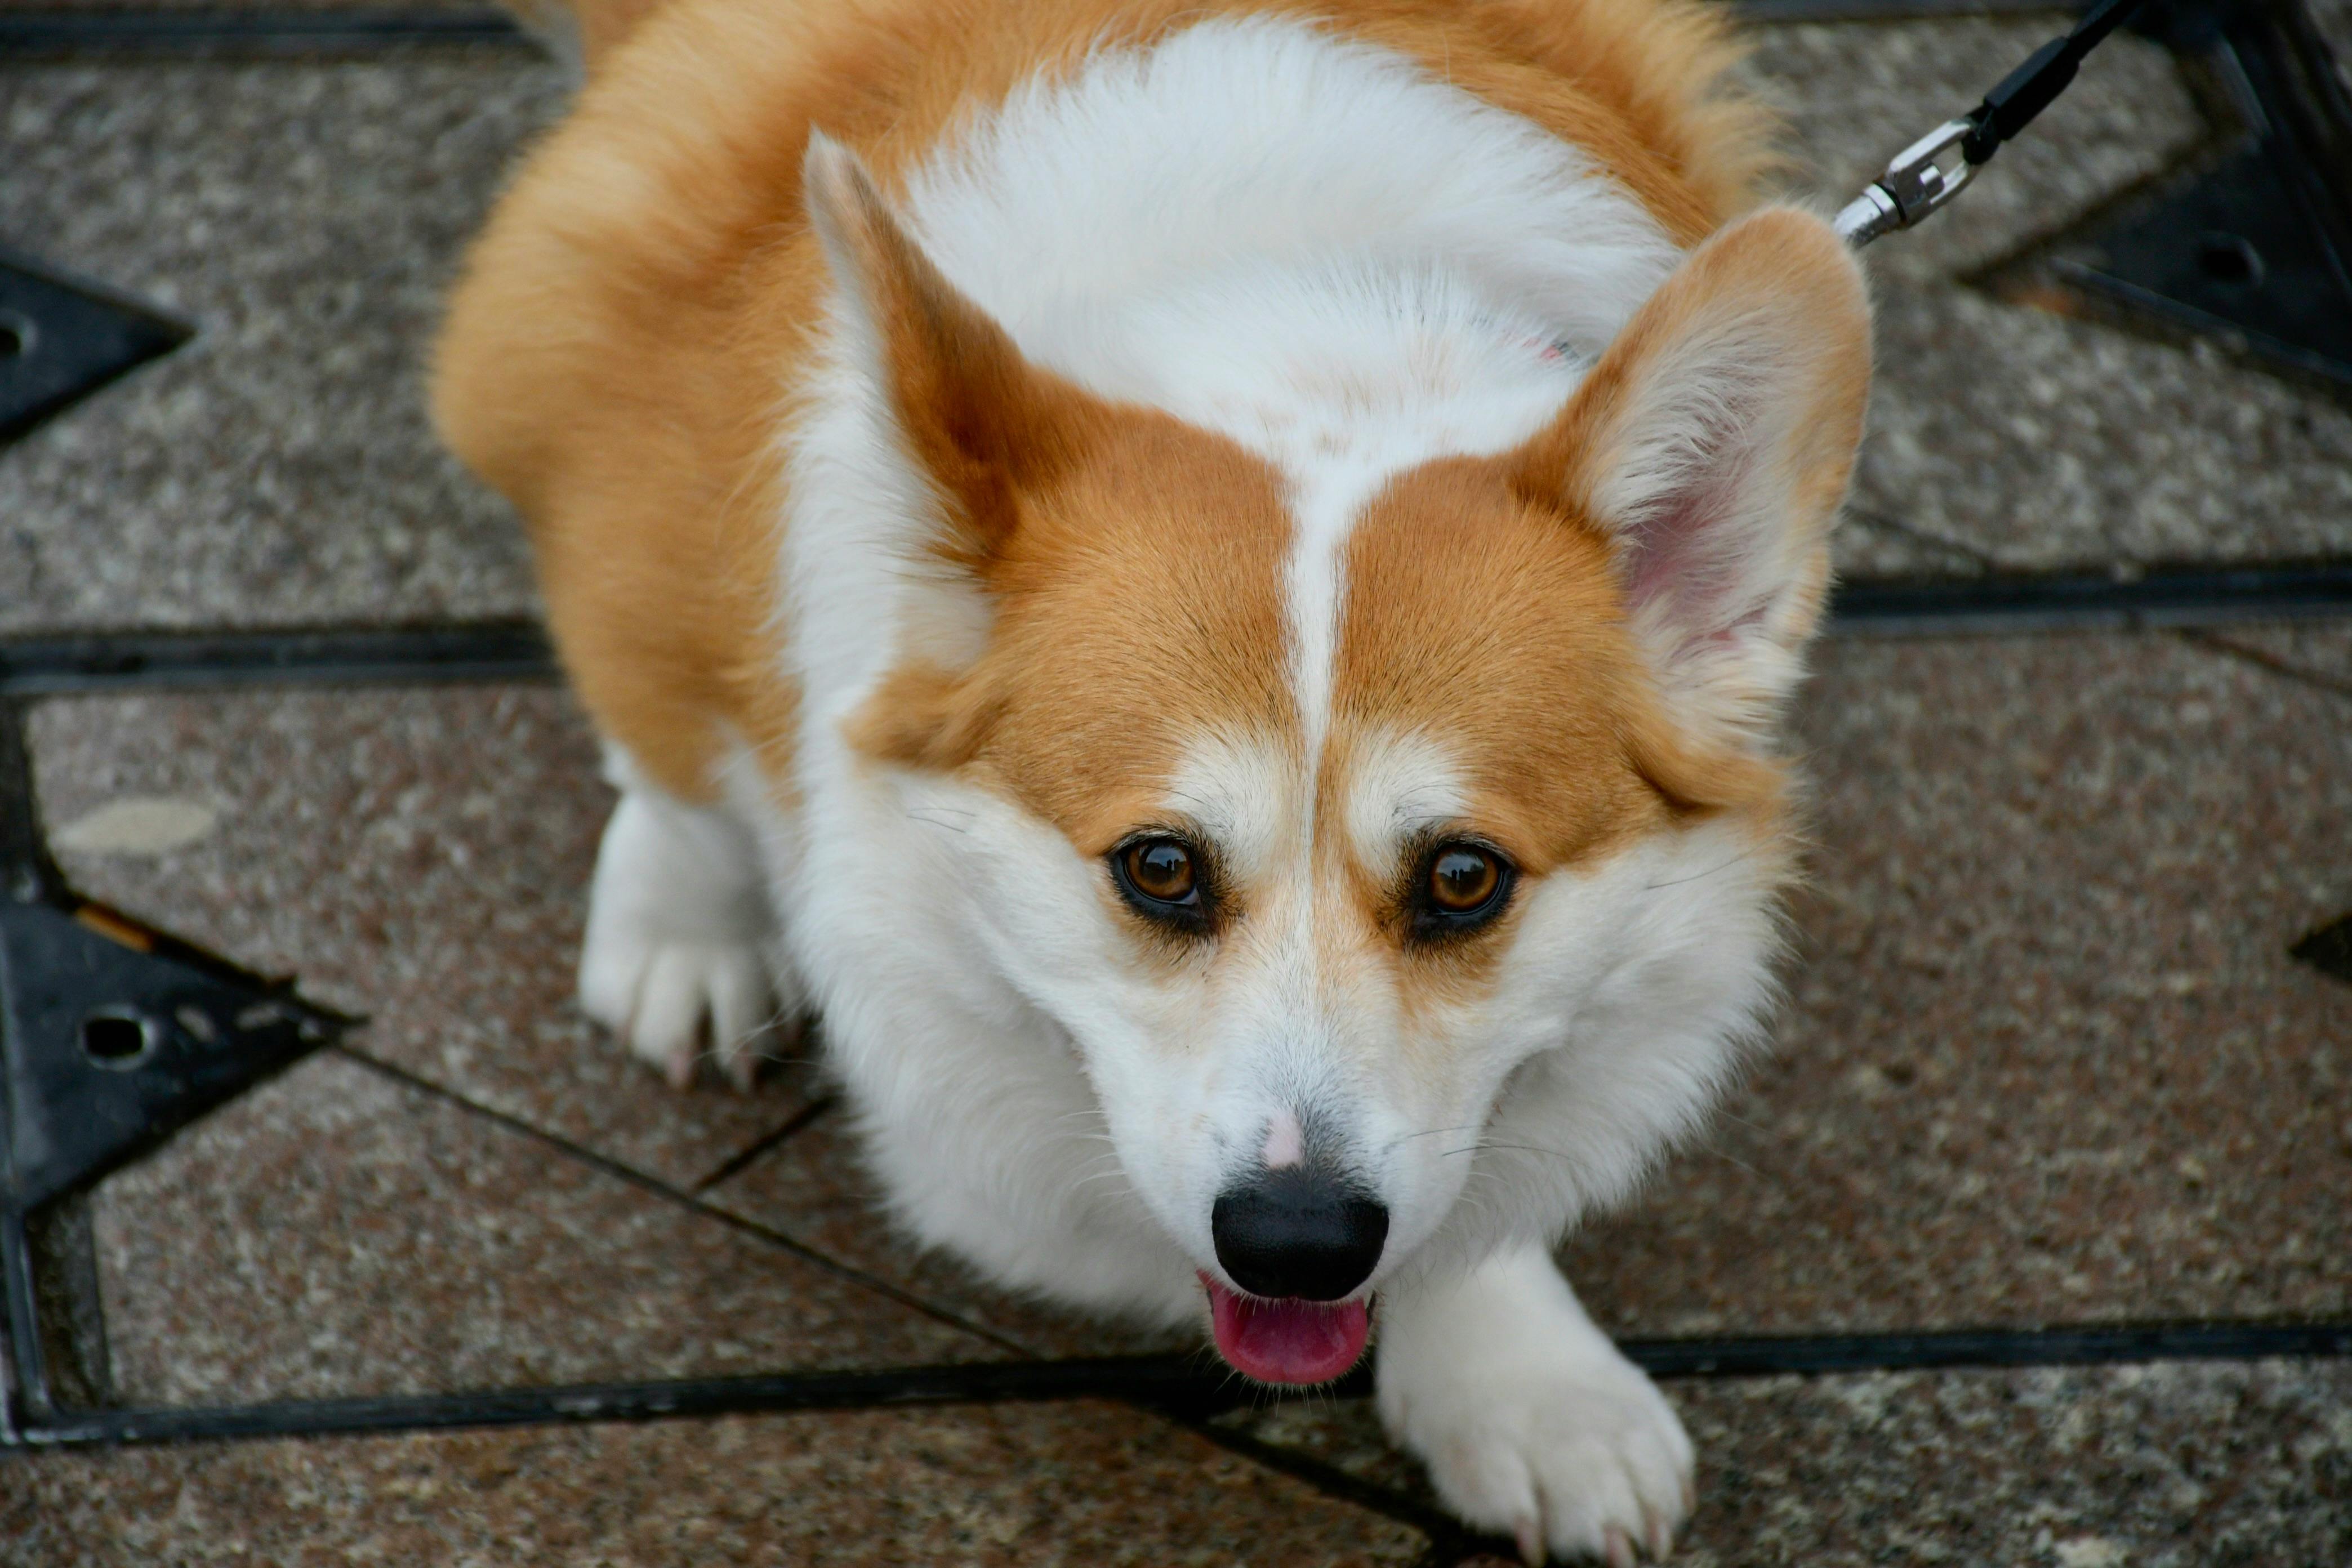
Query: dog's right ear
{"points": [[1711, 448], [977, 416]]}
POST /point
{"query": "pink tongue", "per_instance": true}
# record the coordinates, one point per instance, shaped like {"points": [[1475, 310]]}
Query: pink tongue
{"points": [[1287, 1340]]}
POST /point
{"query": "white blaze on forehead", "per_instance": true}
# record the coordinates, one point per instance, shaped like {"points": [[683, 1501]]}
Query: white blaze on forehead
{"points": [[1399, 786], [1325, 506], [1245, 792], [1344, 377], [1347, 457]]}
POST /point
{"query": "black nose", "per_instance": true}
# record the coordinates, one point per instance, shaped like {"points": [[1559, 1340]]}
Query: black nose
{"points": [[1298, 1231]]}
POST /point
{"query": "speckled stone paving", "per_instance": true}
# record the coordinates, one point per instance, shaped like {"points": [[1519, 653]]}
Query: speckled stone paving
{"points": [[305, 219], [1078, 1484], [400, 1260], [2046, 1063], [2046, 1058], [357, 840], [2184, 1465]]}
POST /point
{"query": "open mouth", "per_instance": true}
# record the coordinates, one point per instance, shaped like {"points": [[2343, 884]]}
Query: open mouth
{"points": [[1288, 1338]]}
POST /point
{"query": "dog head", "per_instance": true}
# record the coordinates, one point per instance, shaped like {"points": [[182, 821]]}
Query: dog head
{"points": [[1379, 795]]}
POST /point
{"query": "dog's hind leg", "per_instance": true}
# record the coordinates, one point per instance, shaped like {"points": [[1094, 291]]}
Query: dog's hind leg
{"points": [[682, 942], [1530, 1419]]}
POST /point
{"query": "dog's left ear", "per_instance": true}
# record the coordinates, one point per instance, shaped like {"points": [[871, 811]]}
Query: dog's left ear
{"points": [[1711, 446], [976, 415], [980, 422]]}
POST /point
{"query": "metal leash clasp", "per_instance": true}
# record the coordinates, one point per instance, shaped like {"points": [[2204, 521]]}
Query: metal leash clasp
{"points": [[1922, 177]]}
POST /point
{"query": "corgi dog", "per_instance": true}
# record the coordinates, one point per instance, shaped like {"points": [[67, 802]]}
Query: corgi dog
{"points": [[1208, 583]]}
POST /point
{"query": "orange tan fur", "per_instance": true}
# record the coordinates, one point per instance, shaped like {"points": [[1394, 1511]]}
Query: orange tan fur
{"points": [[616, 354]]}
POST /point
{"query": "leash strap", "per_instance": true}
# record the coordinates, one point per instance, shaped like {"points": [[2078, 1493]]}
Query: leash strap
{"points": [[1935, 168]]}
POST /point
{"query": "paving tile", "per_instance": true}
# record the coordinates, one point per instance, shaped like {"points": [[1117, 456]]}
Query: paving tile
{"points": [[1018, 1485], [2046, 1058], [2062, 1088], [2168, 1466], [418, 856], [305, 218], [2051, 443], [813, 1188], [338, 1232], [1868, 544]]}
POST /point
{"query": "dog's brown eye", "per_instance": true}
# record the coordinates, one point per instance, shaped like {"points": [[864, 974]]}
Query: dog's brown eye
{"points": [[1463, 880], [1167, 882], [1460, 888], [1162, 870]]}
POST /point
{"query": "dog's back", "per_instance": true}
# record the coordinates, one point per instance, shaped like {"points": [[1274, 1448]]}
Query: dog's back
{"points": [[622, 346]]}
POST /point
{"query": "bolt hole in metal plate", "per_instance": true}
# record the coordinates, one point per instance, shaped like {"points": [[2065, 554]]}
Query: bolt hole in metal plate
{"points": [[2251, 245], [2229, 260], [112, 1035], [118, 1038]]}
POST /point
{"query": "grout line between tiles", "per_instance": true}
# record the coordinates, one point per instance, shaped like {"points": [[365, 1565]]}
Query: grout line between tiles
{"points": [[734, 1164], [683, 1199], [2219, 643], [1448, 1541], [71, 664], [45, 32]]}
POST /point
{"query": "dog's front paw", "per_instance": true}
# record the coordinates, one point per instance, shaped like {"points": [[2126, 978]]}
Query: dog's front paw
{"points": [[663, 999], [675, 952], [1585, 1459], [1531, 1423]]}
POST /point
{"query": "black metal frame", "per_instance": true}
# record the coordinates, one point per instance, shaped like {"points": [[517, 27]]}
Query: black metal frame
{"points": [[112, 1036], [2251, 245], [1183, 1386]]}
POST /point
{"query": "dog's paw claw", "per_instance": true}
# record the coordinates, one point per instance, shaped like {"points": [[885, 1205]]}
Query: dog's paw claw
{"points": [[676, 957], [670, 1003]]}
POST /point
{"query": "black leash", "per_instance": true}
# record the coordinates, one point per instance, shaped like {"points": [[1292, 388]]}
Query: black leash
{"points": [[1933, 169]]}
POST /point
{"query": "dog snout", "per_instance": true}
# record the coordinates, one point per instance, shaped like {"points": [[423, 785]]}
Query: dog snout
{"points": [[1300, 1231]]}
